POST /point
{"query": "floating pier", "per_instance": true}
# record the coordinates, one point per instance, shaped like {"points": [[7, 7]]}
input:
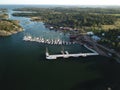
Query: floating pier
{"points": [[65, 54]]}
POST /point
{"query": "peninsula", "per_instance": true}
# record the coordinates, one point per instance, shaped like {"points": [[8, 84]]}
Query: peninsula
{"points": [[8, 27]]}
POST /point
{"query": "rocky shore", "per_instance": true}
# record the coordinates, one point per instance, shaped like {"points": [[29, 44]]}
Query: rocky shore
{"points": [[8, 33]]}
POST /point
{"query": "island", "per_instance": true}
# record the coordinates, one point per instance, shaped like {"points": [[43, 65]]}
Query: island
{"points": [[8, 27]]}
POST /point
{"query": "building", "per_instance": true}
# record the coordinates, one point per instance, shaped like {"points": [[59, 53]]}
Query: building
{"points": [[118, 37], [90, 33], [96, 38]]}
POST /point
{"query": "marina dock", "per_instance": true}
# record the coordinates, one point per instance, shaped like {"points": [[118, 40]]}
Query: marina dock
{"points": [[67, 55], [47, 41], [64, 54]]}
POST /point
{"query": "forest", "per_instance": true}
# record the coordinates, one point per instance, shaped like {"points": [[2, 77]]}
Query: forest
{"points": [[70, 17], [110, 38]]}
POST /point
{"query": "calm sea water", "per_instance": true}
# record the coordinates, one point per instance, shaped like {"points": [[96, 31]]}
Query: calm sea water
{"points": [[23, 65]]}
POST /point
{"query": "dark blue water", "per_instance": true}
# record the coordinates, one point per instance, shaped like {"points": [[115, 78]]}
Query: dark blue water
{"points": [[23, 65]]}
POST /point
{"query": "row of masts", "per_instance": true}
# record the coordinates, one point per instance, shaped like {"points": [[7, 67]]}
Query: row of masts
{"points": [[47, 41]]}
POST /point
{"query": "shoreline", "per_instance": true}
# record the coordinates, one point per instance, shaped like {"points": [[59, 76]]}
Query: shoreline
{"points": [[4, 33], [102, 50]]}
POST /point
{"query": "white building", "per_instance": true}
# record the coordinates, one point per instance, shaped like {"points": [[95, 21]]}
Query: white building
{"points": [[118, 37], [96, 38], [90, 33]]}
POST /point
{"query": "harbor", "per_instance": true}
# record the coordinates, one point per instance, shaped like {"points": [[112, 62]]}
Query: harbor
{"points": [[64, 54]]}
